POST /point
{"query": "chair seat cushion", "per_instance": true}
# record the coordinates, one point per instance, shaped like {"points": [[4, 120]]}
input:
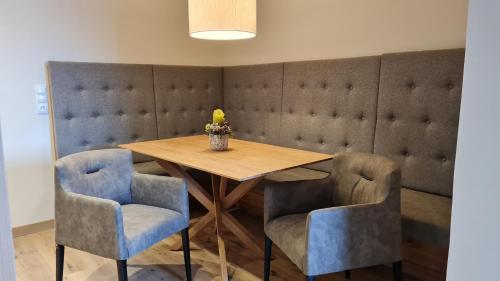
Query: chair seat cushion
{"points": [[426, 217], [289, 234], [145, 226]]}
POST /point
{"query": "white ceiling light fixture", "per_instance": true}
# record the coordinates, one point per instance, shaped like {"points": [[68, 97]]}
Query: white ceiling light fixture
{"points": [[223, 19]]}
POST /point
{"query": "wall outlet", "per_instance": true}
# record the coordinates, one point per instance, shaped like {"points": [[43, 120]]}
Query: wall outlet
{"points": [[42, 103]]}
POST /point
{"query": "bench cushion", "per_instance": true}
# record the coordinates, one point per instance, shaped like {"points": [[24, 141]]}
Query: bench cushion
{"points": [[150, 168], [297, 174], [426, 217]]}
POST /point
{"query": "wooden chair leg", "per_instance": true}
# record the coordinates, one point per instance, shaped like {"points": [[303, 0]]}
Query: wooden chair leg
{"points": [[267, 258], [121, 265], [347, 274], [310, 278], [59, 262], [397, 269], [187, 253]]}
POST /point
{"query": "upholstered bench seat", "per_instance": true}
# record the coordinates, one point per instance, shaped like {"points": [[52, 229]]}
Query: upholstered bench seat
{"points": [[297, 174], [426, 217], [150, 168]]}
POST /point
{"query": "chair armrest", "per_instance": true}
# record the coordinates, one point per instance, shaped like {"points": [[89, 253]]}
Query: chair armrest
{"points": [[353, 236], [90, 224], [161, 191], [286, 198]]}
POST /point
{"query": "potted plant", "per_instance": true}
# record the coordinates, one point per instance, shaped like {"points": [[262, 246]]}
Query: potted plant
{"points": [[218, 131]]}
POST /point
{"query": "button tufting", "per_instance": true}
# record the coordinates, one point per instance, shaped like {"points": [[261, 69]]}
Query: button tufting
{"points": [[68, 116], [349, 87], [405, 153], [450, 86], [391, 117], [143, 112], [256, 109], [427, 121], [346, 144], [79, 88], [249, 86], [334, 114], [290, 111], [264, 86], [443, 158], [236, 86], [361, 116], [134, 137], [312, 113], [412, 85], [324, 85], [95, 114], [272, 109], [298, 138], [165, 111], [130, 87], [84, 143], [321, 141], [172, 87], [111, 140], [105, 88], [207, 87], [193, 131], [302, 85], [119, 112]]}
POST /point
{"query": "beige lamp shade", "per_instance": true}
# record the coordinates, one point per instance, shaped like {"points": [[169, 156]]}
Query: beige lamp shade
{"points": [[222, 19]]}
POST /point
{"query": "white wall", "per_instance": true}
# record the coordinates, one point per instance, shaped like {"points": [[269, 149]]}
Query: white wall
{"points": [[156, 31], [318, 29], [7, 270], [475, 228], [32, 32]]}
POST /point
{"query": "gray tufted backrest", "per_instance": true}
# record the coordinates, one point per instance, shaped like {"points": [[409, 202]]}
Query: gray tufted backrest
{"points": [[185, 98], [105, 174], [97, 105], [252, 101], [418, 112], [330, 106]]}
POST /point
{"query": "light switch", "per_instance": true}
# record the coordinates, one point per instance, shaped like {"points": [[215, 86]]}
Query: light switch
{"points": [[42, 103]]}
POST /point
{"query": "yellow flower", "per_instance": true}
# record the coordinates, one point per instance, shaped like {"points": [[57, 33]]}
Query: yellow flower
{"points": [[218, 116], [207, 128]]}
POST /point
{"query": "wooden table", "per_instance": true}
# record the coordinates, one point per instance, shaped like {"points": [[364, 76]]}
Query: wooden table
{"points": [[244, 161]]}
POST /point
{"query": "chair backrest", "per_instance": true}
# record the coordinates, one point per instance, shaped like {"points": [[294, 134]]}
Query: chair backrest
{"points": [[360, 178], [106, 174]]}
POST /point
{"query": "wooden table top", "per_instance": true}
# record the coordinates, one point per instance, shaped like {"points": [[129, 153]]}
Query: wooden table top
{"points": [[243, 160]]}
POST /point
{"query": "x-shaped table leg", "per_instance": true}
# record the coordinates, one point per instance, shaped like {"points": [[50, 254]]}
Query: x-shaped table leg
{"points": [[217, 206]]}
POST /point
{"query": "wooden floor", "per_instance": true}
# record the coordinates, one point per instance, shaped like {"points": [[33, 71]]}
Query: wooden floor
{"points": [[35, 261]]}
